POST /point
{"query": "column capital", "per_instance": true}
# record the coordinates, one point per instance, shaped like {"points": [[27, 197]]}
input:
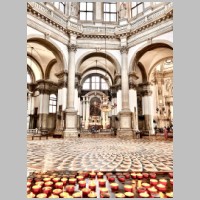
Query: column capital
{"points": [[124, 49], [146, 92], [72, 47], [46, 87]]}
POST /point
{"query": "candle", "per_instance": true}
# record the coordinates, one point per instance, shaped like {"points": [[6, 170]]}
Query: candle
{"points": [[92, 174], [48, 183], [161, 187], [85, 192], [139, 183], [119, 195], [104, 195], [41, 183], [111, 179], [169, 194], [82, 184], [36, 189], [121, 178], [53, 196], [171, 174], [146, 185], [41, 195], [171, 181], [92, 195], [80, 178], [152, 190], [152, 175], [102, 183], [77, 195], [139, 176], [99, 175], [141, 189], [72, 181], [46, 179], [70, 189], [64, 180], [47, 190], [92, 185], [55, 180], [103, 190], [163, 181], [133, 175], [153, 182], [59, 185], [145, 175], [30, 195], [28, 184], [128, 188], [28, 190], [114, 186], [57, 191], [129, 194], [144, 195]]}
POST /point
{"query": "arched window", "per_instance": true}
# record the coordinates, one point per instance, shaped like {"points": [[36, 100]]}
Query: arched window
{"points": [[28, 78], [60, 6], [95, 83], [86, 11], [110, 12], [136, 8], [52, 103]]}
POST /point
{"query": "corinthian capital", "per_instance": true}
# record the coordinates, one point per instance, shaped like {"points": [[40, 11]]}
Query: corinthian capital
{"points": [[124, 49], [72, 47]]}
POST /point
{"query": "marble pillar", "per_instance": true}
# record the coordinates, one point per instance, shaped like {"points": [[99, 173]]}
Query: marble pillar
{"points": [[125, 127], [87, 113], [71, 113], [147, 109]]}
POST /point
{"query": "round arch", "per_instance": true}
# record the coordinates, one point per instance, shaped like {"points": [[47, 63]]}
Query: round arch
{"points": [[142, 50], [31, 73], [50, 44], [49, 67], [89, 54]]}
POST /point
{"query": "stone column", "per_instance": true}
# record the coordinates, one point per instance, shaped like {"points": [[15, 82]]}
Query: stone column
{"points": [[43, 109], [147, 108], [125, 114], [29, 102], [171, 110], [83, 102], [71, 113], [87, 113]]}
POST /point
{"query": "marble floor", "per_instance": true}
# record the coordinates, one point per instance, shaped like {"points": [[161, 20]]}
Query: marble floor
{"points": [[104, 154]]}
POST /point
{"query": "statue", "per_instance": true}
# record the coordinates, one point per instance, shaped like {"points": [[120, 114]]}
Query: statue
{"points": [[122, 11], [74, 9]]}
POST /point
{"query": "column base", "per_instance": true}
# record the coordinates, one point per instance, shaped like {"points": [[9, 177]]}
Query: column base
{"points": [[70, 123], [126, 133]]}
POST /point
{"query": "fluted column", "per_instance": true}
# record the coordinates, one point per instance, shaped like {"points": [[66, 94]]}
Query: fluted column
{"points": [[125, 128], [71, 113], [83, 102]]}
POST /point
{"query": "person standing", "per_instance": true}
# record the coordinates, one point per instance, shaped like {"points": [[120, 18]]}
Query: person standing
{"points": [[165, 133]]}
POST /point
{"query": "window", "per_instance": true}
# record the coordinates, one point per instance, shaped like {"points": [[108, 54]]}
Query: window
{"points": [[52, 103], [95, 83], [110, 12], [86, 11], [60, 6], [137, 8]]}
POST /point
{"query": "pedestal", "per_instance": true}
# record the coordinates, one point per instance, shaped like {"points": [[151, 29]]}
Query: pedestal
{"points": [[125, 129], [71, 124]]}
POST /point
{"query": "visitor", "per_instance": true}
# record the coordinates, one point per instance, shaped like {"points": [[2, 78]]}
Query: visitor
{"points": [[165, 133], [138, 134]]}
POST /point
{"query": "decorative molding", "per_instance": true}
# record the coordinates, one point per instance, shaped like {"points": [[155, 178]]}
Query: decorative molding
{"points": [[72, 47], [124, 49], [146, 93]]}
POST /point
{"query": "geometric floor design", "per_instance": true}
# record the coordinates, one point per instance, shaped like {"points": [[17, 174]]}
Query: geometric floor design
{"points": [[104, 154]]}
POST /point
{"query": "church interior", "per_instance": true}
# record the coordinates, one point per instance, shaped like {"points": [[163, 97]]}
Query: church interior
{"points": [[99, 99]]}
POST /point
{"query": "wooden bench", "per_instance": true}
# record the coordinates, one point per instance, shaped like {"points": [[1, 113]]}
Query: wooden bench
{"points": [[38, 134]]}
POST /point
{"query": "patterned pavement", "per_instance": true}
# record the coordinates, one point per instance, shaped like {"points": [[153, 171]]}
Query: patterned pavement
{"points": [[104, 154]]}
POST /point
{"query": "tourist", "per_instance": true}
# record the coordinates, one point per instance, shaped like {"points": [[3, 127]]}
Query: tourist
{"points": [[165, 133]]}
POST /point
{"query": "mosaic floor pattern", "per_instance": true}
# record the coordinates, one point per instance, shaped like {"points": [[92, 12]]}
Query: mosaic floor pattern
{"points": [[104, 154]]}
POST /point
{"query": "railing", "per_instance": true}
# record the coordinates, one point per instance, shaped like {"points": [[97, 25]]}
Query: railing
{"points": [[64, 22]]}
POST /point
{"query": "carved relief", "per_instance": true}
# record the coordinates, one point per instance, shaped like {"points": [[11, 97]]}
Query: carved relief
{"points": [[124, 49], [122, 11], [74, 9], [72, 47]]}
